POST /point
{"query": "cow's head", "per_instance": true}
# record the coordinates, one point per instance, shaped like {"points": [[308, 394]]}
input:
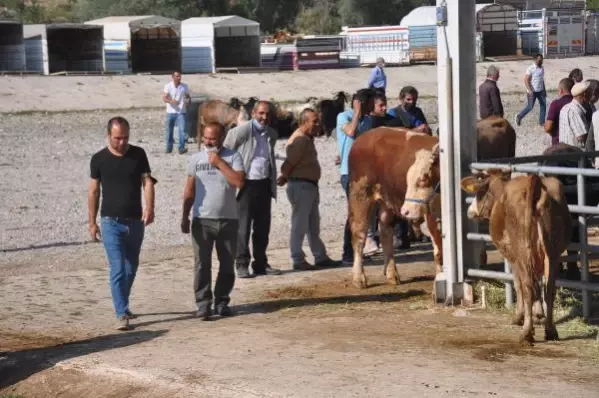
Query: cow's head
{"points": [[487, 187], [422, 181]]}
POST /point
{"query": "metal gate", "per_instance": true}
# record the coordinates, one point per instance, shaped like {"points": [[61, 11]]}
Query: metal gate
{"points": [[530, 165]]}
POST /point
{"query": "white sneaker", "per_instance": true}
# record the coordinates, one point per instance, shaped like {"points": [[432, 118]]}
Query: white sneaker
{"points": [[370, 247]]}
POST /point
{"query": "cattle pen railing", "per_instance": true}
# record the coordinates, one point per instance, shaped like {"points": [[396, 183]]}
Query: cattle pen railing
{"points": [[585, 251]]}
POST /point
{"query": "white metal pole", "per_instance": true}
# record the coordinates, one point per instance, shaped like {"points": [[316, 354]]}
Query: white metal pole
{"points": [[456, 73]]}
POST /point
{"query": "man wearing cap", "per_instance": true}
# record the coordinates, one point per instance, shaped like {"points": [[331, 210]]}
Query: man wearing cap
{"points": [[378, 79], [573, 122]]}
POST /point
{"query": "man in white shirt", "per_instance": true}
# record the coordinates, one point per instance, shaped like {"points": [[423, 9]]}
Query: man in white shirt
{"points": [[176, 96], [534, 81]]}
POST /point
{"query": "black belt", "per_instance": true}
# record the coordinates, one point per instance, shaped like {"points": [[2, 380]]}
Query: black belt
{"points": [[123, 220], [303, 180]]}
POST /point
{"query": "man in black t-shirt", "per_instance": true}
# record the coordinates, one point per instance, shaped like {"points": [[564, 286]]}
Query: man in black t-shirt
{"points": [[120, 170]]}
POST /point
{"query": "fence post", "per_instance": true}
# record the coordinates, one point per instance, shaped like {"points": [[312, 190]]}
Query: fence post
{"points": [[583, 239], [509, 291]]}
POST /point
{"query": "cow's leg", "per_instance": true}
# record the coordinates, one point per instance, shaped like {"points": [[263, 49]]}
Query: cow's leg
{"points": [[537, 307], [361, 204], [387, 231], [528, 330], [433, 227], [551, 268], [519, 316]]}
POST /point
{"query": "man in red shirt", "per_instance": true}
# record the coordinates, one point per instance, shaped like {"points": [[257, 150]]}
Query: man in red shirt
{"points": [[565, 97]]}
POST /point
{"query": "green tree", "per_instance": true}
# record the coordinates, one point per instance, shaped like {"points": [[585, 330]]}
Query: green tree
{"points": [[321, 18]]}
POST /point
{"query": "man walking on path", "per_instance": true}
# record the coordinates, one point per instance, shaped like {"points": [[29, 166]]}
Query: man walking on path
{"points": [[176, 96], [255, 141], [213, 176], [378, 79], [301, 171], [119, 171], [489, 96], [534, 81], [565, 97]]}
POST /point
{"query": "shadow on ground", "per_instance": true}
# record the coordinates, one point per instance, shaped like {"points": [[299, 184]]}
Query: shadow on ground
{"points": [[16, 366]]}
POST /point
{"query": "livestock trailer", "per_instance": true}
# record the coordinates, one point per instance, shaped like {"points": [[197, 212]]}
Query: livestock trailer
{"points": [[498, 26], [141, 44], [362, 46], [496, 31], [211, 43], [318, 52], [64, 48], [12, 46], [556, 33]]}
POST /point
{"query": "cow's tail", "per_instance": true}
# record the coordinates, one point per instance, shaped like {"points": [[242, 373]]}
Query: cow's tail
{"points": [[531, 216]]}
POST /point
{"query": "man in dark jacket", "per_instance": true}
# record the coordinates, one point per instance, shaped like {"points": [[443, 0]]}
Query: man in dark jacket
{"points": [[489, 97]]}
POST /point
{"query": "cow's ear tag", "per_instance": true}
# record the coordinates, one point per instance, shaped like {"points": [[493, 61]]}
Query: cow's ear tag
{"points": [[469, 184]]}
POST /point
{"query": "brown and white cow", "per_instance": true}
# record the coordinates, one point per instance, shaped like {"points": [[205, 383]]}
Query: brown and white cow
{"points": [[378, 162], [530, 224]]}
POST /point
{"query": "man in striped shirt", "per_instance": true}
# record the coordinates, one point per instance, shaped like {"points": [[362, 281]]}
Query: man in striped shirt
{"points": [[573, 122]]}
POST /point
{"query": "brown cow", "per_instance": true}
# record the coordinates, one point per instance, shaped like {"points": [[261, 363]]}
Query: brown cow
{"points": [[378, 163], [530, 224], [219, 111]]}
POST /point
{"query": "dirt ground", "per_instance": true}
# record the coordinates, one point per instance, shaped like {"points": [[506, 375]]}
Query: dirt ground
{"points": [[302, 334]]}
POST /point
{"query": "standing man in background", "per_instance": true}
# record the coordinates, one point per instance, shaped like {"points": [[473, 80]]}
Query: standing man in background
{"points": [[176, 96], [534, 81], [564, 97], [489, 96], [378, 79], [120, 170], [255, 141], [301, 172]]}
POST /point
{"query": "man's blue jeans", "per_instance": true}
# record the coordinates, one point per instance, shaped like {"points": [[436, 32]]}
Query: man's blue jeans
{"points": [[122, 242], [173, 119], [531, 99]]}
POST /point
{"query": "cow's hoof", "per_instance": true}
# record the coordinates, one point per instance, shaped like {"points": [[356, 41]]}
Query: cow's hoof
{"points": [[551, 334], [518, 320], [394, 280], [527, 340], [360, 282]]}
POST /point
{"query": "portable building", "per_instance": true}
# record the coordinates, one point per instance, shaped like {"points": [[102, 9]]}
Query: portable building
{"points": [[210, 43], [12, 46], [363, 45], [63, 47], [141, 44], [553, 33]]}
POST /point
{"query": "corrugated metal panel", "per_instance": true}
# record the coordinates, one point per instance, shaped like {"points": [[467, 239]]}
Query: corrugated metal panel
{"points": [[496, 18], [36, 55], [422, 36], [197, 47], [12, 57], [592, 34], [565, 36], [116, 56], [277, 56]]}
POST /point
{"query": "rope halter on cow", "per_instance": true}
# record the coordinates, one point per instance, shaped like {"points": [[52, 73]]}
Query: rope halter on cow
{"points": [[426, 202]]}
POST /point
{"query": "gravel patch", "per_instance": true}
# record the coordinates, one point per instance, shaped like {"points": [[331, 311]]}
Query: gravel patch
{"points": [[45, 171]]}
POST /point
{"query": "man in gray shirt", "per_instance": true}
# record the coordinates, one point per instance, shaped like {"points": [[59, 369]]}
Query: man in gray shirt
{"points": [[213, 176]]}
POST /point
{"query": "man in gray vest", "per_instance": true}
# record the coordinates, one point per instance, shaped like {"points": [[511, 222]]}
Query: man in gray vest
{"points": [[213, 175], [255, 141]]}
